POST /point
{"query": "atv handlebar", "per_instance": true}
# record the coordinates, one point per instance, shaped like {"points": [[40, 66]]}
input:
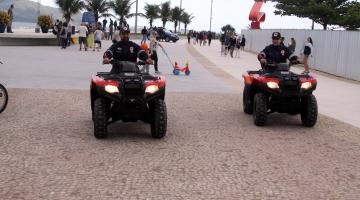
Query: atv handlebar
{"points": [[113, 61]]}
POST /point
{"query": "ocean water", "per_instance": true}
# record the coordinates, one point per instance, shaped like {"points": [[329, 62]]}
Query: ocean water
{"points": [[23, 25]]}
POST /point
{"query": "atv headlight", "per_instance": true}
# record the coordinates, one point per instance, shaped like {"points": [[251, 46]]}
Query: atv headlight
{"points": [[111, 89], [272, 85], [306, 85], [151, 89]]}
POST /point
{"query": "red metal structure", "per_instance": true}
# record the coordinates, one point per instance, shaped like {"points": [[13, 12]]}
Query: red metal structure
{"points": [[255, 16]]}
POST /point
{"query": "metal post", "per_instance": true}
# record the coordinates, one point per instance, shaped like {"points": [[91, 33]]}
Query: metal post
{"points": [[211, 13], [180, 15], [136, 15]]}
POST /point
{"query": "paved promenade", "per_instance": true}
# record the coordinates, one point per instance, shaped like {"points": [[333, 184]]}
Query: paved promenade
{"points": [[337, 97], [212, 149]]}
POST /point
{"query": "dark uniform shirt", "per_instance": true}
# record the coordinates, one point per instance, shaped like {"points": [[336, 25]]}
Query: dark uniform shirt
{"points": [[126, 51], [276, 54]]}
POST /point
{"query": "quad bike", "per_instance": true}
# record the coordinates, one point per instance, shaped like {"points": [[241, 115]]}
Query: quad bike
{"points": [[128, 95], [4, 97], [280, 91]]}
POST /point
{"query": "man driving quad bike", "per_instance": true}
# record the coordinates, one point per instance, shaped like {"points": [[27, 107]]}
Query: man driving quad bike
{"points": [[126, 94], [124, 50], [277, 89], [274, 53]]}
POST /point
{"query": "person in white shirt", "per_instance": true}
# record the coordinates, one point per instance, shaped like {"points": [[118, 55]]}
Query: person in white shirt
{"points": [[83, 31], [98, 35]]}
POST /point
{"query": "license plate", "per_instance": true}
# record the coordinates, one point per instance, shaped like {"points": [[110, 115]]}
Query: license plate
{"points": [[282, 72]]}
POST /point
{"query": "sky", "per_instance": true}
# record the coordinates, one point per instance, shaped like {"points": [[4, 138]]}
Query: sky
{"points": [[234, 12]]}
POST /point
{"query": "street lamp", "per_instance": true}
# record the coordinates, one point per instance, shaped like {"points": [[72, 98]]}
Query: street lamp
{"points": [[180, 13], [211, 13], [136, 15]]}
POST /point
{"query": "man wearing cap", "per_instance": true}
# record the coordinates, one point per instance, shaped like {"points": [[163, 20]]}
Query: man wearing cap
{"points": [[125, 50], [274, 53]]}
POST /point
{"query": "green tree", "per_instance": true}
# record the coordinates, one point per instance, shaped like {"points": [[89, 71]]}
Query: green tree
{"points": [[186, 18], [122, 8], [324, 12], [228, 29], [165, 12], [351, 19], [70, 7], [100, 8], [176, 16], [151, 12]]}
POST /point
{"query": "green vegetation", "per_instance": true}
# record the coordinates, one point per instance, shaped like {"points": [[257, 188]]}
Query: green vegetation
{"points": [[345, 13]]}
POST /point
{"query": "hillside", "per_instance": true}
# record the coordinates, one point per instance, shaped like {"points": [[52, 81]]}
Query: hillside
{"points": [[27, 11]]}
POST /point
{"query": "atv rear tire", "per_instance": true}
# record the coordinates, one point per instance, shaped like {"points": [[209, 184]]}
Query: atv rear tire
{"points": [[159, 120], [260, 109], [99, 118], [247, 103], [3, 97], [309, 111]]}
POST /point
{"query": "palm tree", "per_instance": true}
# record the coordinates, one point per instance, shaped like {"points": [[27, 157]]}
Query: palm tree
{"points": [[165, 12], [186, 18], [151, 12], [70, 7], [176, 16], [122, 8], [98, 7]]}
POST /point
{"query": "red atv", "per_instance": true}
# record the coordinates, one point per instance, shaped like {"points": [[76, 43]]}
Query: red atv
{"points": [[129, 96], [280, 91]]}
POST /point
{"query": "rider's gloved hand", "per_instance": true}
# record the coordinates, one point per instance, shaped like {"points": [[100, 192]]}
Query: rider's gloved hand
{"points": [[149, 61], [106, 61], [263, 61]]}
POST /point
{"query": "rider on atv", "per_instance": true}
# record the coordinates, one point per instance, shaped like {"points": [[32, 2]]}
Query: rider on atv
{"points": [[124, 50], [274, 53]]}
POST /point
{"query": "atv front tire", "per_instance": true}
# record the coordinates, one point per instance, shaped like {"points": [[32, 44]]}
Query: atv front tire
{"points": [[247, 103], [309, 111], [159, 121], [99, 118], [260, 109]]}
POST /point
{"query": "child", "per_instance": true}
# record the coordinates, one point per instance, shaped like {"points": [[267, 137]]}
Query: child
{"points": [[153, 52], [98, 35], [145, 47]]}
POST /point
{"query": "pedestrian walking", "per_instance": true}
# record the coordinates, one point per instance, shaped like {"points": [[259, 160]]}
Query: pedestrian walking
{"points": [[306, 54], [63, 35], [210, 36], [292, 45], [104, 24], [111, 31], [232, 44], [115, 25], [243, 42], [189, 37], [90, 37], [144, 33], [83, 31], [98, 35], [153, 52], [11, 14], [68, 38]]}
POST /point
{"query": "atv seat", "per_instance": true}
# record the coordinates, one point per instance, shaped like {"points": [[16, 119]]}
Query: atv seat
{"points": [[283, 67]]}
